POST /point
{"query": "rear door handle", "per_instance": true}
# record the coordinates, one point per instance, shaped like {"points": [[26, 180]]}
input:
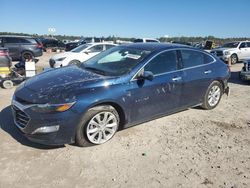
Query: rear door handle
{"points": [[176, 79], [208, 72]]}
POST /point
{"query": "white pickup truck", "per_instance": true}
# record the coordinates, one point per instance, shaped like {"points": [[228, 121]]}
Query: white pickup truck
{"points": [[236, 51]]}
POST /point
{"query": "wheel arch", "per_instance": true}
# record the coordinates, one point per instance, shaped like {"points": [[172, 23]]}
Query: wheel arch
{"points": [[118, 108]]}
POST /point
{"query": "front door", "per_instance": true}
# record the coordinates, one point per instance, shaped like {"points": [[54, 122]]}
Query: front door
{"points": [[161, 95]]}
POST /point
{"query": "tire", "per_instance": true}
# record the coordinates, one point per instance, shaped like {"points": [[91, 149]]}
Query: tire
{"points": [[89, 132], [75, 62], [234, 59], [7, 84], [213, 96], [27, 56]]}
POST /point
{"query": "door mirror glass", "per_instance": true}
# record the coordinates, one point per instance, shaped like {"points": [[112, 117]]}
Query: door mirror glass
{"points": [[146, 75]]}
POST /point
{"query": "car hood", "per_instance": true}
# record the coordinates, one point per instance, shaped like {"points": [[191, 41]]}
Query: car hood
{"points": [[64, 54], [57, 85]]}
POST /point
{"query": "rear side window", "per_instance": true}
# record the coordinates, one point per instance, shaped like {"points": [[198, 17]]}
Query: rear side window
{"points": [[164, 62], [208, 59], [107, 46], [1, 41], [248, 44], [191, 58]]}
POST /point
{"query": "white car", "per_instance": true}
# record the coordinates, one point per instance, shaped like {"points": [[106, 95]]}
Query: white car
{"points": [[79, 54], [236, 51], [146, 40]]}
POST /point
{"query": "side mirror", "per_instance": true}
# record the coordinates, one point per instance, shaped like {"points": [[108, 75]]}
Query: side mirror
{"points": [[146, 75], [87, 52]]}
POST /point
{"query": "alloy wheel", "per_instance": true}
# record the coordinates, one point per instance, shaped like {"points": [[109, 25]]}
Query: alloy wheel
{"points": [[214, 95], [102, 127]]}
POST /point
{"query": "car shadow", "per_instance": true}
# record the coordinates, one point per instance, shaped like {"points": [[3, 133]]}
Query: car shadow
{"points": [[7, 125], [235, 78]]}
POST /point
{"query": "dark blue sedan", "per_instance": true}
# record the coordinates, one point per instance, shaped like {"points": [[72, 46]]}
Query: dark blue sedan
{"points": [[119, 88]]}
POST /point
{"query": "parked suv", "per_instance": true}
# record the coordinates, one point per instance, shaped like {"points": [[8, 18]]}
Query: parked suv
{"points": [[52, 43], [21, 47], [236, 51]]}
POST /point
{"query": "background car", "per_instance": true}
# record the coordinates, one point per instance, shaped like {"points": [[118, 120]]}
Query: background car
{"points": [[21, 47], [245, 72], [52, 43], [146, 40], [118, 88], [71, 45], [79, 54], [235, 51], [5, 60]]}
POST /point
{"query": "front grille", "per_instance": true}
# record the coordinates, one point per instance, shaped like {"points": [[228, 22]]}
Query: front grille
{"points": [[21, 118], [52, 63], [218, 53], [247, 66]]}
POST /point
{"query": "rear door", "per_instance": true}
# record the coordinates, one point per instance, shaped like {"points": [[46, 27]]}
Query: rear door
{"points": [[12, 43], [197, 74], [161, 95]]}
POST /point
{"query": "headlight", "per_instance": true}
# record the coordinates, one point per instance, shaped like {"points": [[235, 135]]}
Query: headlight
{"points": [[47, 108], [60, 59], [227, 53]]}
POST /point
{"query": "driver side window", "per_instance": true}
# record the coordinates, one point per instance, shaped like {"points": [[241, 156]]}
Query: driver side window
{"points": [[162, 63], [97, 48], [243, 45]]}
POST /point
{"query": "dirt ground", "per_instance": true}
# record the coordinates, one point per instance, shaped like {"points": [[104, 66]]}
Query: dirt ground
{"points": [[193, 148]]}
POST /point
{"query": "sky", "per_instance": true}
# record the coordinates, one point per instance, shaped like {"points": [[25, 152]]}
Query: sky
{"points": [[128, 18]]}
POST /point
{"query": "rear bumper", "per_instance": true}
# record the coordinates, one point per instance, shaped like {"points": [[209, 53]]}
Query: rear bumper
{"points": [[38, 53], [245, 75]]}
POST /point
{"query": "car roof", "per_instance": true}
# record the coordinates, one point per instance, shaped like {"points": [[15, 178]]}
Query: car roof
{"points": [[95, 43], [17, 36], [155, 46]]}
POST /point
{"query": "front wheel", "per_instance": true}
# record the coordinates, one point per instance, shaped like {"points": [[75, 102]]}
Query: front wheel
{"points": [[98, 126], [234, 59], [212, 96]]}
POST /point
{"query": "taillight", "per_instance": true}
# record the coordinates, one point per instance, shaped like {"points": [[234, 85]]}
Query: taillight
{"points": [[4, 53], [39, 45]]}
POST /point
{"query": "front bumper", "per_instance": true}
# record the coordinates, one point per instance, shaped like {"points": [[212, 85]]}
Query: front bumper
{"points": [[245, 75], [32, 121]]}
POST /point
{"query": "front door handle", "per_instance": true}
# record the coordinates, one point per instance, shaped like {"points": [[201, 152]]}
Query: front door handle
{"points": [[208, 72], [176, 79]]}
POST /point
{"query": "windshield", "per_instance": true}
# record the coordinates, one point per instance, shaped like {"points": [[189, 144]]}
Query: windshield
{"points": [[115, 61], [230, 45], [80, 48]]}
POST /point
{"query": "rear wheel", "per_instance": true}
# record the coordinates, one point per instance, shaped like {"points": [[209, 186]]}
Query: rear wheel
{"points": [[212, 96], [7, 84], [98, 126], [27, 56], [234, 59]]}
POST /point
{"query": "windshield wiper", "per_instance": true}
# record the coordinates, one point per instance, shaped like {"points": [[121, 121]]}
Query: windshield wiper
{"points": [[95, 70]]}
